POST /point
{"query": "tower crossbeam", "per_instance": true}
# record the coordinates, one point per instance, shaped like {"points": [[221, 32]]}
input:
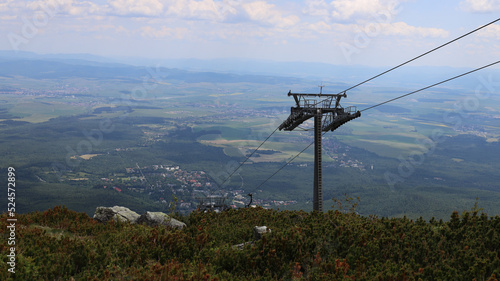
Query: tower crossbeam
{"points": [[328, 115]]}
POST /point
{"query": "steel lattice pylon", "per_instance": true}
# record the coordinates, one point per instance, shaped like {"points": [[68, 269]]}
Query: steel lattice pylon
{"points": [[328, 116]]}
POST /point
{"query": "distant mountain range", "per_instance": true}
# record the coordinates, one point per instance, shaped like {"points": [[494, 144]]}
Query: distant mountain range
{"points": [[224, 70], [65, 66]]}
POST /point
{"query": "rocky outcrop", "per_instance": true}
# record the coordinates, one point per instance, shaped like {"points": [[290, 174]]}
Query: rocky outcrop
{"points": [[159, 218], [123, 214], [258, 231], [116, 213]]}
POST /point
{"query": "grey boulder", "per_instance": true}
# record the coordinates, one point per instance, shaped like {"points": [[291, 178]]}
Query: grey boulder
{"points": [[159, 218], [116, 213], [258, 231]]}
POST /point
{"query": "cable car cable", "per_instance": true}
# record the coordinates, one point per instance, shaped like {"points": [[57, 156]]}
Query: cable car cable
{"points": [[248, 157], [433, 85], [439, 47]]}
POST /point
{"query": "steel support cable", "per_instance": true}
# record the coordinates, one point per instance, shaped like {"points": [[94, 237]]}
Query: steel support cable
{"points": [[286, 164], [248, 157], [433, 85], [415, 58], [359, 84]]}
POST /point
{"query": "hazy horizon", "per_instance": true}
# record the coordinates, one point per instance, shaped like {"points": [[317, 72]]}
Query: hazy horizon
{"points": [[374, 33]]}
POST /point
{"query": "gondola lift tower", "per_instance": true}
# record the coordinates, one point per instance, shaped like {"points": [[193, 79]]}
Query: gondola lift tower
{"points": [[328, 115]]}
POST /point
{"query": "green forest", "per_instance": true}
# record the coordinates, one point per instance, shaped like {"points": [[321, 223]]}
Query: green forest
{"points": [[61, 244], [80, 136]]}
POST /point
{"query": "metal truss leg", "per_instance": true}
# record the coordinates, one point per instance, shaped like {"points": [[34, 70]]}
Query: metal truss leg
{"points": [[318, 176]]}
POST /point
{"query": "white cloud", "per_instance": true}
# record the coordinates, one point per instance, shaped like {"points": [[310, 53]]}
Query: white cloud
{"points": [[377, 29], [136, 7], [314, 25], [70, 7], [230, 11], [192, 10], [113, 7], [348, 9], [204, 9], [316, 8], [4, 7], [12, 7], [264, 13], [7, 17], [403, 29], [320, 27], [351, 10], [492, 31], [480, 6]]}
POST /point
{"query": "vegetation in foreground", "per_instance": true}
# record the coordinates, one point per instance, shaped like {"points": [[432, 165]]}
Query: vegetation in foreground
{"points": [[60, 244]]}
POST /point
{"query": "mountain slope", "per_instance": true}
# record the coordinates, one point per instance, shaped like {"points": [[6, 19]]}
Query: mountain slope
{"points": [[62, 244]]}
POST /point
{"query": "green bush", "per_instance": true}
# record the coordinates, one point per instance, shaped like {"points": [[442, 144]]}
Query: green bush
{"points": [[60, 244]]}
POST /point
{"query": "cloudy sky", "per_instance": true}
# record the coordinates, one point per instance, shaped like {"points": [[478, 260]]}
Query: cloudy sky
{"points": [[366, 32]]}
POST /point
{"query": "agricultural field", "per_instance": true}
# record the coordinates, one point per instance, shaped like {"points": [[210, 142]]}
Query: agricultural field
{"points": [[71, 136]]}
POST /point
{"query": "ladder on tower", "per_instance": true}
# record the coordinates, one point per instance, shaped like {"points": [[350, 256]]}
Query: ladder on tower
{"points": [[328, 115]]}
